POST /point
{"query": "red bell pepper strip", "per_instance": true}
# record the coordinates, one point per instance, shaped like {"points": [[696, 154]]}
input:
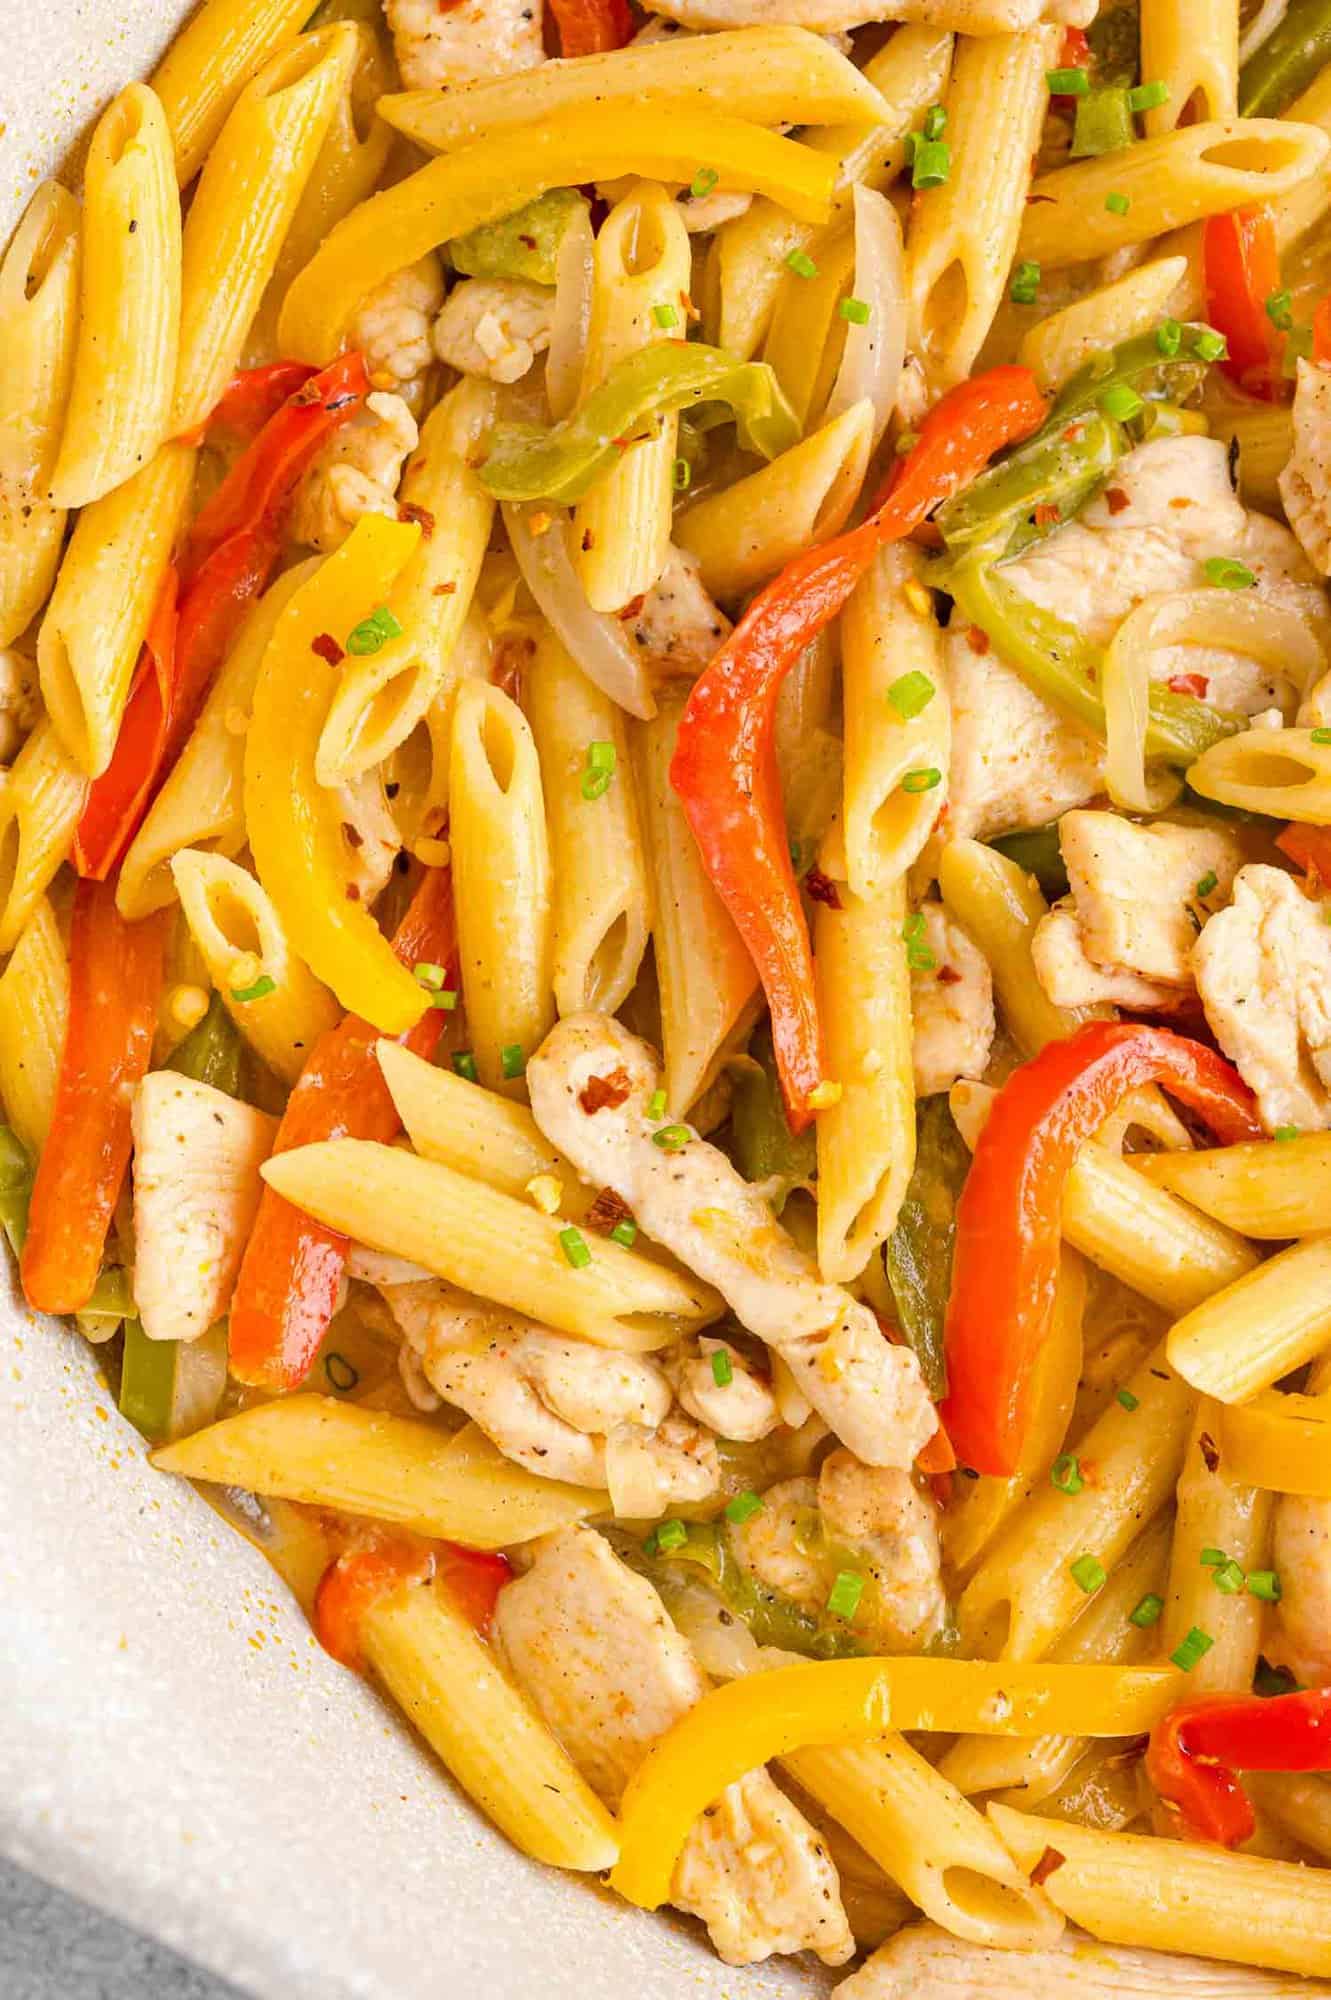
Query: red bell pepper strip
{"points": [[1322, 334], [724, 767], [1198, 1748], [289, 1279], [355, 1583], [1241, 272], [586, 27], [115, 974], [118, 799], [254, 396], [1009, 1217], [1309, 848]]}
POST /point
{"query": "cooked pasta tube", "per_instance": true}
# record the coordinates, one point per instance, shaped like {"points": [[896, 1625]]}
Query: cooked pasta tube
{"points": [[1034, 1582], [602, 905], [1299, 1803], [462, 191], [202, 804], [327, 1453], [1192, 47], [34, 1006], [380, 697], [866, 1140], [119, 399], [270, 993], [743, 535], [1285, 773], [963, 233], [1302, 207], [1264, 1325], [1264, 433], [1207, 1902], [1266, 1188], [1176, 178], [41, 799], [804, 339], [999, 905], [929, 1840], [1162, 1249], [103, 600], [39, 285], [243, 207], [1216, 1515], [209, 63], [501, 883], [641, 273], [490, 1244], [897, 719], [1056, 347], [707, 980], [425, 1650]]}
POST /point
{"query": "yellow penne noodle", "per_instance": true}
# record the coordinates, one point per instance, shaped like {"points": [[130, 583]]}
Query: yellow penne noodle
{"points": [[243, 206], [1286, 775], [1299, 1804], [1265, 1188], [41, 798], [745, 534], [245, 945], [866, 1140], [773, 75], [424, 1650], [1179, 177], [602, 902], [1206, 1902], [1303, 206], [1269, 1322], [328, 1453], [501, 881], [39, 287], [103, 600], [1055, 348], [34, 1006], [202, 804], [1161, 1248], [1216, 1513], [119, 401], [1192, 47], [490, 1244], [382, 696], [999, 904], [963, 234], [804, 340], [707, 979], [210, 62]]}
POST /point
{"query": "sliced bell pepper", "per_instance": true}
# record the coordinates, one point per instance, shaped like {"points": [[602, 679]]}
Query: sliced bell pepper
{"points": [[287, 1289], [724, 767], [1197, 1751], [1281, 68], [115, 974], [118, 799], [588, 26], [1241, 272], [1309, 847], [360, 1577], [1009, 1217], [253, 397]]}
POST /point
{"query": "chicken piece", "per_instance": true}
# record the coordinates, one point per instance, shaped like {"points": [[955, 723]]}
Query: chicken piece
{"points": [[779, 1546], [1263, 969], [546, 1401], [1015, 760], [649, 1471], [592, 1647], [590, 1085], [725, 1395], [356, 473], [197, 1154], [924, 1960], [1305, 483], [1070, 979], [701, 213], [1301, 1557], [951, 1002], [495, 327], [677, 625], [20, 703], [394, 325], [370, 833], [1135, 889], [472, 41], [966, 17]]}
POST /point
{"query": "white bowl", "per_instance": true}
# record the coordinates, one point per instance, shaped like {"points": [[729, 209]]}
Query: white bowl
{"points": [[174, 1747]]}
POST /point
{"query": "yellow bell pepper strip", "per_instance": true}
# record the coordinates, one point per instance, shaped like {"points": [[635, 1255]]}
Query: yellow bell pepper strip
{"points": [[1281, 1443], [463, 191], [531, 462], [295, 824], [743, 1725]]}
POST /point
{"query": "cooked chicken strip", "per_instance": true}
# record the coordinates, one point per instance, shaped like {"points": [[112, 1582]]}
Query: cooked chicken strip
{"points": [[1301, 1556], [1135, 889], [495, 327], [393, 328], [590, 1083], [1263, 969], [1071, 979], [1305, 483], [726, 1395], [468, 42], [592, 1646], [951, 1003], [356, 473]]}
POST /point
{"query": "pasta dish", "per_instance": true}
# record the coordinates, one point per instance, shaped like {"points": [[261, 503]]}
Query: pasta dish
{"points": [[665, 926]]}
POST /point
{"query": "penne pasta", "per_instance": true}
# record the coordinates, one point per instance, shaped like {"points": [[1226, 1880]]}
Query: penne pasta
{"points": [[1300, 1805], [1217, 1515], [1055, 348], [209, 64], [1268, 1189], [1162, 1249], [39, 288], [1260, 1328], [1192, 47], [41, 801], [1303, 206], [1287, 776], [804, 339], [34, 1008], [999, 904], [119, 402]]}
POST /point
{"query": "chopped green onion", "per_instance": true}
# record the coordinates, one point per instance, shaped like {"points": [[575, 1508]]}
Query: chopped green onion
{"points": [[656, 1104], [1279, 310], [464, 1064], [1149, 96], [665, 315], [1088, 1573], [1229, 1578], [341, 1373], [743, 1508], [911, 694], [922, 781], [431, 977], [683, 475], [1207, 882], [1228, 573], [1126, 1399], [843, 1600], [703, 182], [1104, 123], [1284, 1133], [1321, 736], [1212, 1558], [671, 1535], [913, 927], [1120, 401], [260, 990], [1194, 1648], [511, 1059], [855, 310], [374, 632], [574, 1247], [933, 163], [935, 122], [723, 1373], [1169, 337], [919, 958], [1067, 82], [1025, 285], [1065, 1474], [1117, 203], [802, 264], [447, 1000], [1265, 1583], [1147, 1613], [1210, 345], [625, 1232], [601, 760], [672, 1138]]}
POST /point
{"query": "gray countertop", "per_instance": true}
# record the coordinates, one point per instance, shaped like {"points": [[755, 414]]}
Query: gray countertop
{"points": [[53, 1948]]}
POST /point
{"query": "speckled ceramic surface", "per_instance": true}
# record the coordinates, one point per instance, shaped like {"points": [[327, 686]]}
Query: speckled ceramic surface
{"points": [[174, 1746]]}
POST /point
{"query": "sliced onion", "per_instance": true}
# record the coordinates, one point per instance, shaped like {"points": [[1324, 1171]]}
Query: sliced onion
{"points": [[573, 313], [599, 644], [873, 354], [1262, 26]]}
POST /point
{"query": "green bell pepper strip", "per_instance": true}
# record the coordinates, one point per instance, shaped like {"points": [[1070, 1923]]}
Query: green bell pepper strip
{"points": [[527, 462], [1037, 850], [773, 1618], [212, 1051], [1103, 123], [1287, 61], [918, 1254], [15, 1188], [1053, 471], [148, 1382], [762, 1144], [522, 245], [1140, 364], [1115, 39]]}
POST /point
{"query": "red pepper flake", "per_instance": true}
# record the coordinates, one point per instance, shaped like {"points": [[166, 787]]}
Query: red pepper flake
{"points": [[353, 892], [688, 308], [1046, 515], [1039, 200], [352, 834], [588, 538], [1210, 1451], [948, 975], [443, 590], [633, 607], [1074, 433], [1188, 684], [527, 242], [607, 1212], [512, 655], [1116, 499], [423, 518], [977, 640], [327, 648], [822, 888], [600, 1093], [621, 443], [1181, 500], [1048, 1864]]}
